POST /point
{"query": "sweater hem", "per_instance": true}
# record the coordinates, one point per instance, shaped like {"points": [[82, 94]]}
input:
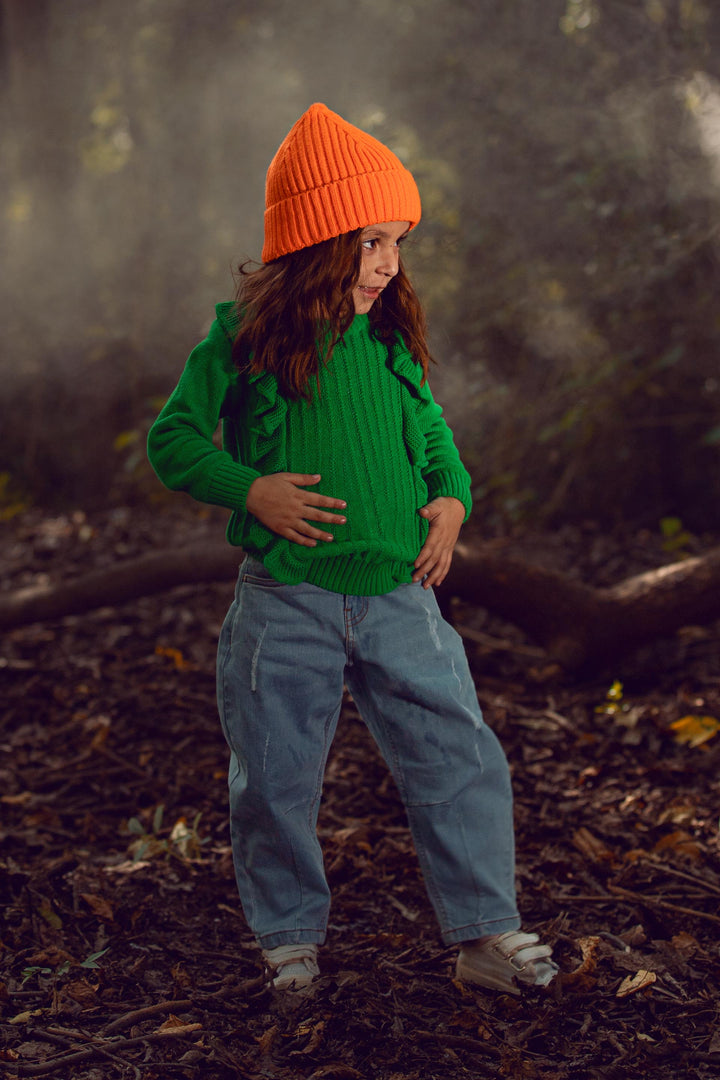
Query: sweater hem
{"points": [[354, 576]]}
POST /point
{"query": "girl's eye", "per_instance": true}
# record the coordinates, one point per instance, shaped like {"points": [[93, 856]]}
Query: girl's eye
{"points": [[369, 244]]}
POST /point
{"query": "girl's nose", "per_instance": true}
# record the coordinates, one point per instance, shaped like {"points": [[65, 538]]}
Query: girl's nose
{"points": [[389, 265]]}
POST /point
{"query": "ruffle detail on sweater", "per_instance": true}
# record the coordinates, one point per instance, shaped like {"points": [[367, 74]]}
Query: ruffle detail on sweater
{"points": [[266, 423], [228, 315], [402, 364], [418, 409], [266, 441], [266, 411]]}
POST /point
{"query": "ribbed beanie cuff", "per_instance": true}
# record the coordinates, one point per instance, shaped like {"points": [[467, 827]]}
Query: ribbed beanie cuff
{"points": [[328, 178]]}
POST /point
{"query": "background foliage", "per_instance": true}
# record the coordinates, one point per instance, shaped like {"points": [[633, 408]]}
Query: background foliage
{"points": [[568, 155]]}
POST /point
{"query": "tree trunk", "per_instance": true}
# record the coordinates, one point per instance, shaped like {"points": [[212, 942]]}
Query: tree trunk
{"points": [[577, 625]]}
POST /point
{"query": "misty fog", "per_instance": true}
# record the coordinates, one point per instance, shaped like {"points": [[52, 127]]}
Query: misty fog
{"points": [[568, 156]]}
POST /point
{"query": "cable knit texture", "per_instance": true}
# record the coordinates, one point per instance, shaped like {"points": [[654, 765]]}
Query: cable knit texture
{"points": [[329, 177], [371, 430]]}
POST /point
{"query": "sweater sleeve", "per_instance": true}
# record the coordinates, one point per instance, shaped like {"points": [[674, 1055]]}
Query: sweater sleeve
{"points": [[444, 472], [181, 446]]}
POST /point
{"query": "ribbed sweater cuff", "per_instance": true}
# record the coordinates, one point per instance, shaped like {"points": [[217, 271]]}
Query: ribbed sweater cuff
{"points": [[452, 484], [230, 484]]}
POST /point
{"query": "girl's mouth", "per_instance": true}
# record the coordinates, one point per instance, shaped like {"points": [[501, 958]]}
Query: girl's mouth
{"points": [[369, 291]]}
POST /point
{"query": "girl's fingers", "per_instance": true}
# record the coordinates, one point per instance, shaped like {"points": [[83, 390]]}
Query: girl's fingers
{"points": [[438, 574], [313, 498], [298, 538], [321, 515], [432, 565], [300, 479], [280, 503], [308, 537]]}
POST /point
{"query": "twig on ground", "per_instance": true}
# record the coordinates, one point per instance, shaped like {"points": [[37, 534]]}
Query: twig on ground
{"points": [[95, 1048], [638, 898]]}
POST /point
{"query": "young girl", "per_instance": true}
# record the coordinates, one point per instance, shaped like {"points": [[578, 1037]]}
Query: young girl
{"points": [[347, 495]]}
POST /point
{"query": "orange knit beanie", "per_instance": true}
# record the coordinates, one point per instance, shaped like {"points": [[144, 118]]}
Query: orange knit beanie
{"points": [[328, 178]]}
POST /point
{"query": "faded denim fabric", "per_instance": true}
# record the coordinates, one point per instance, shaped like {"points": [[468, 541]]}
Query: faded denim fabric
{"points": [[284, 653]]}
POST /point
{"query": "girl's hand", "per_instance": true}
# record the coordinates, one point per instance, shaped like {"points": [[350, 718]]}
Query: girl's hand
{"points": [[445, 515], [280, 502]]}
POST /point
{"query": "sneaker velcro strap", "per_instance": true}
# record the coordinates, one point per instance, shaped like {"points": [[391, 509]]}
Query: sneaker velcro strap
{"points": [[287, 954], [520, 949]]}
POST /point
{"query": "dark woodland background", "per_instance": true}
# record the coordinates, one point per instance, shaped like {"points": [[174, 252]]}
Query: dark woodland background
{"points": [[568, 156]]}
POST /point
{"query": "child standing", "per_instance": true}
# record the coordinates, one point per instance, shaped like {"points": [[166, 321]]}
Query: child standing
{"points": [[347, 495]]}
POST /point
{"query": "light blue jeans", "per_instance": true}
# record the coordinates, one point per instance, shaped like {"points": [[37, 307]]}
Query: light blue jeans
{"points": [[284, 653]]}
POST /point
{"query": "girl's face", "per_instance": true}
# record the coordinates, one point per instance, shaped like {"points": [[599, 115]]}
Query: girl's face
{"points": [[380, 245]]}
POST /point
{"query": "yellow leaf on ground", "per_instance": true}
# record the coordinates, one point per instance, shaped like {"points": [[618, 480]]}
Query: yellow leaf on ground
{"points": [[695, 730], [175, 655], [25, 1017]]}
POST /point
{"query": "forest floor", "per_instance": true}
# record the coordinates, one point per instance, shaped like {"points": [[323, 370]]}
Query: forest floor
{"points": [[124, 953]]}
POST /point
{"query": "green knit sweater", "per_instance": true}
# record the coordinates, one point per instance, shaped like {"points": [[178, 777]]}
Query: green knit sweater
{"points": [[371, 431]]}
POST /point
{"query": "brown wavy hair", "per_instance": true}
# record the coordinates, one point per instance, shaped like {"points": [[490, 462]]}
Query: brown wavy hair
{"points": [[295, 308]]}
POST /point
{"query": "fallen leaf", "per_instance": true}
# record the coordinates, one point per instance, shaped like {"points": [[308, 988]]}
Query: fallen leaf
{"points": [[685, 943], [695, 730], [267, 1038], [99, 906], [45, 910], [679, 812], [185, 841], [591, 846], [17, 800], [681, 843], [127, 867], [315, 1031], [632, 983], [181, 664], [52, 956], [82, 992], [174, 1023], [180, 975], [634, 937], [25, 1017], [583, 973]]}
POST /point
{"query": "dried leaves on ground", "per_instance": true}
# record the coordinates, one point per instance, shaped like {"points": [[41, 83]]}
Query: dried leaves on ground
{"points": [[124, 952]]}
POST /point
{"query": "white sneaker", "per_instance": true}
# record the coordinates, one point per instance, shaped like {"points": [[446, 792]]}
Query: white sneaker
{"points": [[504, 960], [291, 967]]}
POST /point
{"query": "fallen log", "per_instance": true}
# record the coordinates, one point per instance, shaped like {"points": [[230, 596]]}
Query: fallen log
{"points": [[578, 626], [119, 584]]}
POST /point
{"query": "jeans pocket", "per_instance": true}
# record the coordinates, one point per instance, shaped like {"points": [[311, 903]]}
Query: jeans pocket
{"points": [[253, 572]]}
